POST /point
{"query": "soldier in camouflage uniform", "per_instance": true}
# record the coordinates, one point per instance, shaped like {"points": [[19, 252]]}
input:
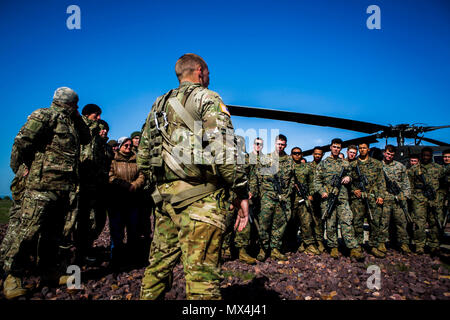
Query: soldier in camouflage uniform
{"points": [[375, 192], [426, 209], [325, 172], [445, 186], [191, 202], [275, 175], [316, 203], [392, 205], [302, 208], [48, 145]]}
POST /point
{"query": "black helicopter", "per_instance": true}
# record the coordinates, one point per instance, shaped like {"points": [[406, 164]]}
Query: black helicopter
{"points": [[375, 131]]}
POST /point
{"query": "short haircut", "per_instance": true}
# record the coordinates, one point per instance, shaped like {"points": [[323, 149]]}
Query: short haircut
{"points": [[427, 149], [281, 137], [317, 148], [292, 150], [90, 109], [336, 141], [390, 148], [446, 151], [104, 124], [414, 156], [257, 138], [352, 146], [364, 142], [187, 64]]}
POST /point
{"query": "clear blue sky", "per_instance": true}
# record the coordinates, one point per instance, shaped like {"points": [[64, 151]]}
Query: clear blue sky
{"points": [[306, 56]]}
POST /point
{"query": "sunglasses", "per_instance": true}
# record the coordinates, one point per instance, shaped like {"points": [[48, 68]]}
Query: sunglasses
{"points": [[127, 145], [258, 144], [296, 153]]}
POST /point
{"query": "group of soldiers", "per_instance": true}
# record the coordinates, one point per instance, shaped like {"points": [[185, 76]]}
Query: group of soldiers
{"points": [[203, 204], [319, 199]]}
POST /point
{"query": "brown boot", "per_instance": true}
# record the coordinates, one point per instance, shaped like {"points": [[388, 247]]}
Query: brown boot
{"points": [[382, 247], [261, 255], [420, 250], [357, 254], [377, 253], [320, 246], [334, 253], [245, 257], [277, 255], [311, 249], [301, 248], [404, 248], [12, 288]]}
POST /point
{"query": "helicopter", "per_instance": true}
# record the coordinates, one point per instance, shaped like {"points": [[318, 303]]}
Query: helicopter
{"points": [[375, 131]]}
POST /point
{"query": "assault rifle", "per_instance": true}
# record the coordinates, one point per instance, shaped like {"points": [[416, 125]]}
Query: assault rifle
{"points": [[302, 192], [336, 184], [430, 194], [277, 186], [363, 182], [394, 189]]}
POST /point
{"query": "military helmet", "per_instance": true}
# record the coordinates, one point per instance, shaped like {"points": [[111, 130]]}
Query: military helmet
{"points": [[65, 95]]}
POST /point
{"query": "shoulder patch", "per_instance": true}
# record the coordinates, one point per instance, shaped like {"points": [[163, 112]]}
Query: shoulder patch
{"points": [[224, 109]]}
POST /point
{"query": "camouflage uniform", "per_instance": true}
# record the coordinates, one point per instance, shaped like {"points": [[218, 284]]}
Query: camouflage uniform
{"points": [[376, 188], [190, 228], [322, 183], [305, 176], [272, 220], [396, 172], [316, 204], [424, 210], [48, 144]]}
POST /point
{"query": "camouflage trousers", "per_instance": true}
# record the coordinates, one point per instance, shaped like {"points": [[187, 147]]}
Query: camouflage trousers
{"points": [[342, 215], [318, 223], [11, 232], [273, 221], [360, 211], [392, 210], [182, 235], [40, 220], [425, 211], [305, 219]]}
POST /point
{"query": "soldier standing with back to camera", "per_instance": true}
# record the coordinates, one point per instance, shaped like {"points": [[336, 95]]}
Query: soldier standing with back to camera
{"points": [[334, 170], [369, 203], [49, 147], [191, 202], [424, 178]]}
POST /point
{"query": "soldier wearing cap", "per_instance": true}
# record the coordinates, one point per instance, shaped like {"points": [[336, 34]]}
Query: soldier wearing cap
{"points": [[48, 145]]}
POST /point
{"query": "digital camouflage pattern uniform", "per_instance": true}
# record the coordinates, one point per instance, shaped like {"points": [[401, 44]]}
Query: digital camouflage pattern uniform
{"points": [[376, 188], [396, 172], [189, 228], [316, 203], [425, 210], [48, 144], [272, 218], [325, 172], [305, 176]]}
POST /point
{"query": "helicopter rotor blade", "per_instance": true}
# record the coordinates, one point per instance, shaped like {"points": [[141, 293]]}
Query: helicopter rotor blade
{"points": [[368, 139], [324, 121], [428, 129], [436, 142]]}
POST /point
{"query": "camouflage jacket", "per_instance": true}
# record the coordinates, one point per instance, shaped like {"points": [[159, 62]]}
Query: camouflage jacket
{"points": [[49, 145], [313, 166], [274, 168], [305, 175], [396, 172], [93, 159], [373, 170], [254, 161], [325, 172], [208, 107], [432, 172]]}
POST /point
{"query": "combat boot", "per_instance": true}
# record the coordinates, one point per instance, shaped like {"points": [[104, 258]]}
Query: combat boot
{"points": [[12, 287], [377, 253], [320, 246], [312, 249], [382, 247], [301, 248], [261, 255], [334, 253], [277, 255], [404, 248], [420, 250], [357, 254], [226, 254], [245, 257]]}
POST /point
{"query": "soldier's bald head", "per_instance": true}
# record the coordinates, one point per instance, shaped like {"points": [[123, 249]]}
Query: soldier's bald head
{"points": [[187, 64]]}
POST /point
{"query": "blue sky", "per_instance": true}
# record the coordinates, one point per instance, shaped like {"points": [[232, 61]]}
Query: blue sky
{"points": [[305, 56]]}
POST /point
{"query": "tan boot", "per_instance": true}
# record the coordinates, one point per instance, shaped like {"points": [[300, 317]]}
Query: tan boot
{"points": [[245, 257], [320, 246], [301, 248], [226, 254], [377, 253], [382, 247], [12, 288], [357, 254], [261, 255], [312, 250], [404, 248], [277, 255], [420, 250], [334, 253]]}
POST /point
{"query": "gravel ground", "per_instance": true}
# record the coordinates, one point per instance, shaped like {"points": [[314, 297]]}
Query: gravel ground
{"points": [[302, 277]]}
